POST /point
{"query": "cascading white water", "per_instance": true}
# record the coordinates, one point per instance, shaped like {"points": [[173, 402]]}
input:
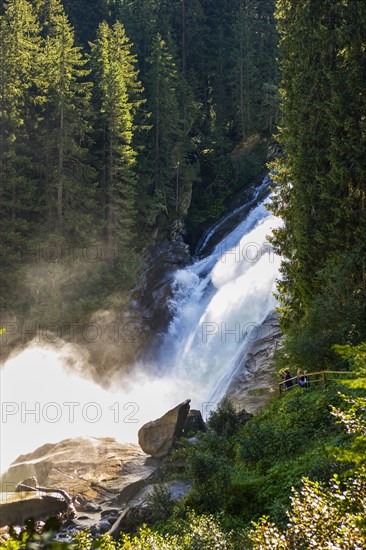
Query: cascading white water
{"points": [[217, 305], [223, 221]]}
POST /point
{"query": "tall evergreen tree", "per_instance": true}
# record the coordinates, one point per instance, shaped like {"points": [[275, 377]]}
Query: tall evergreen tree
{"points": [[118, 97], [86, 15], [171, 107], [322, 176], [63, 133], [254, 74], [19, 70]]}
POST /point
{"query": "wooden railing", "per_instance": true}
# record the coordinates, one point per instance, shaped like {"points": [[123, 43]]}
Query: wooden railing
{"points": [[321, 377]]}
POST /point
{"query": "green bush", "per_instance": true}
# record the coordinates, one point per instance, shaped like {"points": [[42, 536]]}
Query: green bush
{"points": [[321, 516], [251, 469], [195, 533], [224, 420], [160, 503]]}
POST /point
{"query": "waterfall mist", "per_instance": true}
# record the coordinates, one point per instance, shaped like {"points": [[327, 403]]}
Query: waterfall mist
{"points": [[218, 304]]}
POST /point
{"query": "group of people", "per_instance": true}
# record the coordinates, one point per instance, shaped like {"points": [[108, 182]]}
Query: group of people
{"points": [[300, 379]]}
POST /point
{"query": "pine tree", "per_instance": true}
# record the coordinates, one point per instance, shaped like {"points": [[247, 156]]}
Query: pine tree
{"points": [[19, 68], [86, 15], [322, 176], [118, 97], [255, 71], [170, 103], [63, 133]]}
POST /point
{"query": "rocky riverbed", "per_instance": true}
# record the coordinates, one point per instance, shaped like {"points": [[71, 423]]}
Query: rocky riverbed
{"points": [[95, 483]]}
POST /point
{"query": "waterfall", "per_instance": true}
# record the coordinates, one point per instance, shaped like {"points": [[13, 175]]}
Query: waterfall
{"points": [[217, 304]]}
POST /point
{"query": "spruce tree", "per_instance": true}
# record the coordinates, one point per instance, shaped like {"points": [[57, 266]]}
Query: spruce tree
{"points": [[19, 70], [118, 96], [170, 103], [63, 133], [322, 175]]}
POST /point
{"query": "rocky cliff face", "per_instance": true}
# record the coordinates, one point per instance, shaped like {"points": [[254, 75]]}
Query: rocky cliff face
{"points": [[254, 381], [113, 339]]}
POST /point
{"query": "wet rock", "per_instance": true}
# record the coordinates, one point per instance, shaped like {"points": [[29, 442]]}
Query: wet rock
{"points": [[130, 491], [101, 527], [176, 489], [110, 512], [95, 469], [155, 287], [253, 382], [85, 505], [15, 509], [156, 438], [29, 482]]}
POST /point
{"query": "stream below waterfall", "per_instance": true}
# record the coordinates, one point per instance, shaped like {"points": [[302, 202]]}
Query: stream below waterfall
{"points": [[218, 304]]}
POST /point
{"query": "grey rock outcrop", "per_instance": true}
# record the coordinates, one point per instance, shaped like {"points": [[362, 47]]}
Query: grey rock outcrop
{"points": [[20, 506], [254, 380], [157, 438], [89, 467], [94, 471]]}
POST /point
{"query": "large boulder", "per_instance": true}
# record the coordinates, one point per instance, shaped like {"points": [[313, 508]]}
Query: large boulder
{"points": [[16, 508], [157, 438], [92, 468]]}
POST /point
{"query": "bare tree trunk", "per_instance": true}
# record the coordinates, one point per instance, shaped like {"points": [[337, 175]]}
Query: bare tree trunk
{"points": [[184, 38], [61, 155], [242, 114], [110, 191]]}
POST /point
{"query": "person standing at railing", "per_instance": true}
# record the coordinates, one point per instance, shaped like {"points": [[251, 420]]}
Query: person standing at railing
{"points": [[301, 379], [286, 376]]}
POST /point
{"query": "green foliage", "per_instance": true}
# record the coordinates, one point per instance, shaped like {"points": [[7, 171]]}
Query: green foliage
{"points": [[321, 516], [19, 73], [324, 515], [160, 503], [195, 533], [89, 154], [224, 420], [321, 194], [118, 97], [353, 416], [356, 355], [251, 469], [33, 538]]}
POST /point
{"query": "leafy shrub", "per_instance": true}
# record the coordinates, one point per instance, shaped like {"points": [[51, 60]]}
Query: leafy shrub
{"points": [[224, 420], [195, 533], [160, 503], [321, 517]]}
